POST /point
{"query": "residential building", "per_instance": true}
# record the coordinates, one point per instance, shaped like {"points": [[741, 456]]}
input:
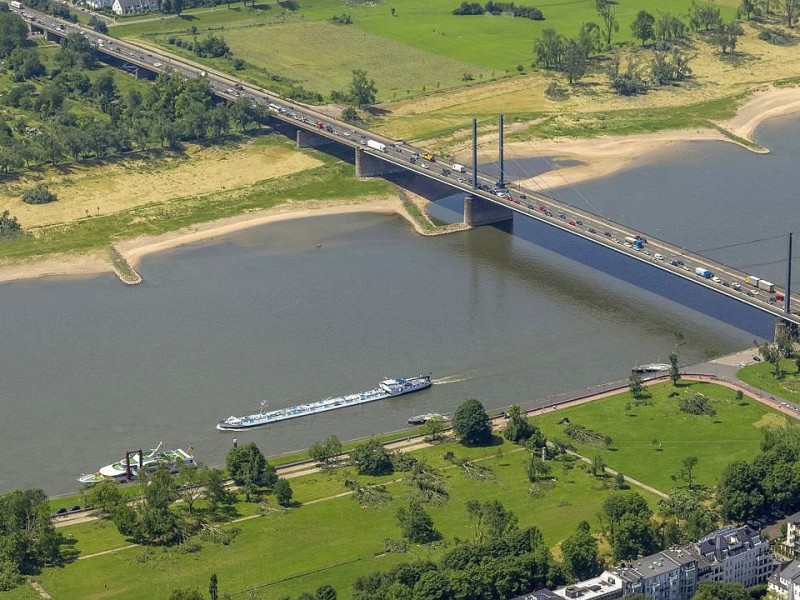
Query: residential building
{"points": [[667, 575], [785, 581], [605, 587], [735, 554], [98, 4], [132, 7], [791, 545]]}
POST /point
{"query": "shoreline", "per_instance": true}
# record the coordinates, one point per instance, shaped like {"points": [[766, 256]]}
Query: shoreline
{"points": [[608, 155], [598, 157]]}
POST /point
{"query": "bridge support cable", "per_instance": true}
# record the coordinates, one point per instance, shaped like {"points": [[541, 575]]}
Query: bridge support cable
{"points": [[475, 154], [501, 182], [787, 306]]}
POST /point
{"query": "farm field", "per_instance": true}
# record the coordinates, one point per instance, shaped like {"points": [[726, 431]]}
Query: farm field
{"points": [[651, 440], [335, 540]]}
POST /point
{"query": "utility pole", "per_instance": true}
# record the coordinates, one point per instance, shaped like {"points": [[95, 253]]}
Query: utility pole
{"points": [[475, 153], [787, 300], [501, 182]]}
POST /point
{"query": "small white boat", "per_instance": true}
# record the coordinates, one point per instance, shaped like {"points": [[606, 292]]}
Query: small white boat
{"points": [[422, 419], [651, 368]]}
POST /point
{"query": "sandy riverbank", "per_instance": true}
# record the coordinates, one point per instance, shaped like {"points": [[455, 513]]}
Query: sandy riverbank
{"points": [[606, 155], [599, 157]]}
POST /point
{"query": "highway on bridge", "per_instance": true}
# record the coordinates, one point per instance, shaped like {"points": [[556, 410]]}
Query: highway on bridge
{"points": [[660, 254]]}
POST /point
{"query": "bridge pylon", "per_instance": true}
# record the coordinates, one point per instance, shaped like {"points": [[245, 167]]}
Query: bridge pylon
{"points": [[309, 139], [479, 211], [368, 165]]}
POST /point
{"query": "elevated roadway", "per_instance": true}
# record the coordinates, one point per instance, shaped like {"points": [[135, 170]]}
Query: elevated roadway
{"points": [[385, 156]]}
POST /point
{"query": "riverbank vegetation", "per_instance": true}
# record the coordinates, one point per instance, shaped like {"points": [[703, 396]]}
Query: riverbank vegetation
{"points": [[450, 489]]}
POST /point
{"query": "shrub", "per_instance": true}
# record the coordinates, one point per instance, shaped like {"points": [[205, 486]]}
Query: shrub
{"points": [[773, 35], [555, 92], [38, 195], [9, 226], [697, 404]]}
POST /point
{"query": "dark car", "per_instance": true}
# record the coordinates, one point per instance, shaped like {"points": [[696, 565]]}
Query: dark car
{"points": [[591, 230]]}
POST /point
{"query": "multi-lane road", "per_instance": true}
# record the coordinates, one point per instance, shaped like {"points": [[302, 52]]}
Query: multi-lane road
{"points": [[660, 254]]}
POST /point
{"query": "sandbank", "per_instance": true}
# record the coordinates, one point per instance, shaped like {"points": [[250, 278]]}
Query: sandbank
{"points": [[605, 155], [598, 157]]}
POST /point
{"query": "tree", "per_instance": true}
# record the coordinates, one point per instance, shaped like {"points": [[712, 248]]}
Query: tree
{"points": [[213, 587], [598, 465], [609, 18], [746, 8], [705, 16], [726, 36], [739, 493], [283, 492], [350, 114], [719, 590], [471, 424], [537, 468], [362, 89], [325, 452], [104, 496], [635, 384], [247, 465], [13, 33], [674, 370], [642, 26], [633, 536], [772, 354], [490, 520], [590, 39], [573, 64], [216, 493], [99, 25], [28, 539], [434, 429], [325, 592], [76, 51], [580, 553], [549, 49], [416, 524], [669, 27], [517, 428], [791, 8], [689, 463], [372, 458]]}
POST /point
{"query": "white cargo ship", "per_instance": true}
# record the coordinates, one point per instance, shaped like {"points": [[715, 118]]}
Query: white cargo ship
{"points": [[386, 389]]}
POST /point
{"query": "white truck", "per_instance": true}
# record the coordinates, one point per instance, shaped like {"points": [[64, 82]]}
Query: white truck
{"points": [[765, 285], [376, 145], [459, 168], [703, 272], [752, 280], [15, 4]]}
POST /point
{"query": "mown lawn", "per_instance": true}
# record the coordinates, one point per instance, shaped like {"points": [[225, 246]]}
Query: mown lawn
{"points": [[760, 375], [651, 440], [336, 540]]}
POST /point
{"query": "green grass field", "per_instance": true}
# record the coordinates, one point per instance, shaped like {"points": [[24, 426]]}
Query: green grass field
{"points": [[733, 434], [332, 541], [423, 48], [760, 375]]}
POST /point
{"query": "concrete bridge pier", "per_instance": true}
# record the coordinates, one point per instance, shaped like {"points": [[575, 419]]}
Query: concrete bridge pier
{"points": [[309, 139], [479, 211], [783, 328], [368, 165], [52, 37]]}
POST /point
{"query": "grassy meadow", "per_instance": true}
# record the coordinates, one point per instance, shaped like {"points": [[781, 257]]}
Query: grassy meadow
{"points": [[422, 48], [328, 539], [760, 375], [650, 440]]}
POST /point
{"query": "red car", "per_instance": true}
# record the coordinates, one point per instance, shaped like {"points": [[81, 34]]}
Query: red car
{"points": [[542, 207], [571, 223]]}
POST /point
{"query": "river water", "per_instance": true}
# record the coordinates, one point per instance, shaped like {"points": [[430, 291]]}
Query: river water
{"points": [[300, 310]]}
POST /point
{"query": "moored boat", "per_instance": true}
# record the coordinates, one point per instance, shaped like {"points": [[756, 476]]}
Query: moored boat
{"points": [[137, 463], [422, 419], [387, 388]]}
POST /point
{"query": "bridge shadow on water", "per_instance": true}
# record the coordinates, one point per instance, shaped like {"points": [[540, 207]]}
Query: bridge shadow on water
{"points": [[642, 275]]}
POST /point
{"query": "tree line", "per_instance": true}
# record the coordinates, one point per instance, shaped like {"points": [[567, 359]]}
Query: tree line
{"points": [[496, 8], [165, 114]]}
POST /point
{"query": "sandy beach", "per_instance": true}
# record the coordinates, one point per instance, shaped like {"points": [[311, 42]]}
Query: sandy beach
{"points": [[599, 157], [605, 155]]}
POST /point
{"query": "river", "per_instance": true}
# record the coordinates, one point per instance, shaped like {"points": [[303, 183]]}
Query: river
{"points": [[300, 310]]}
